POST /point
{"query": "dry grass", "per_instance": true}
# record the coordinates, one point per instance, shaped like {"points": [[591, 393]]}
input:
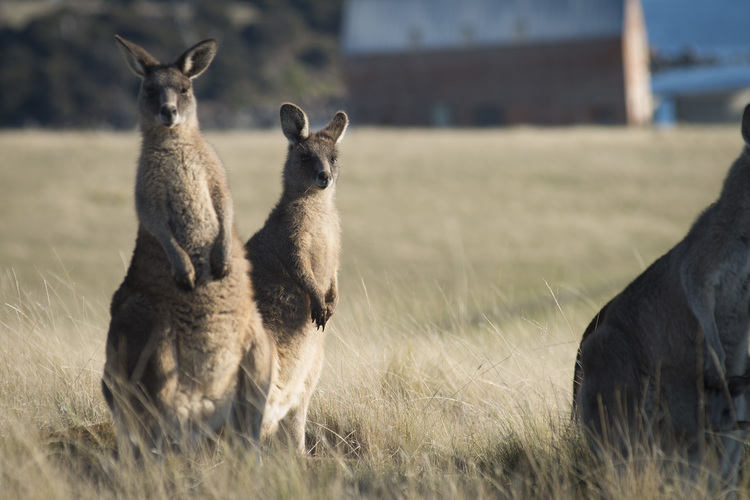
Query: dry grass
{"points": [[472, 262]]}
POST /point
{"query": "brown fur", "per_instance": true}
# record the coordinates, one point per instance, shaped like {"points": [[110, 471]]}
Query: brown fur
{"points": [[186, 349], [651, 357], [295, 259]]}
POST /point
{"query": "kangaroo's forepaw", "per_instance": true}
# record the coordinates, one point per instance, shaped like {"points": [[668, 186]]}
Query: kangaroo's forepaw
{"points": [[329, 311], [220, 271], [712, 375], [186, 281], [220, 258], [318, 315]]}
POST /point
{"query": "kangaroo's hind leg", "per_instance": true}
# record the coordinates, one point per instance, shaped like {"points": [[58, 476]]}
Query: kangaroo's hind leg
{"points": [[255, 376], [610, 396], [130, 382]]}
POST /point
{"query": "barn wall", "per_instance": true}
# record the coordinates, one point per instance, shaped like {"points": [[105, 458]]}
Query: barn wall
{"points": [[547, 83], [393, 26]]}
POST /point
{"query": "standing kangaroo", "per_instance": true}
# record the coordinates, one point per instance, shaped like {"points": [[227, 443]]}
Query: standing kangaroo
{"points": [[650, 359], [186, 349], [295, 260]]}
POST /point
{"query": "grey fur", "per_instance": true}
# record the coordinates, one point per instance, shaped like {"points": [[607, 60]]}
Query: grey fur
{"points": [[727, 433], [186, 349], [682, 325], [722, 402], [295, 259]]}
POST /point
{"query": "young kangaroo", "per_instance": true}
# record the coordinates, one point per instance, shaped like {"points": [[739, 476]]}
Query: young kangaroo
{"points": [[186, 349], [680, 326], [295, 259]]}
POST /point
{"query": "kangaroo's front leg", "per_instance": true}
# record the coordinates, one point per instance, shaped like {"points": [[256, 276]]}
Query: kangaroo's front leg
{"points": [[221, 251], [156, 221], [332, 298], [183, 270], [699, 288], [302, 272]]}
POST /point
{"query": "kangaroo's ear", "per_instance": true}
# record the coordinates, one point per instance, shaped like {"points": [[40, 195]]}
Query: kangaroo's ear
{"points": [[337, 126], [196, 59], [294, 123], [746, 125], [136, 56], [738, 384]]}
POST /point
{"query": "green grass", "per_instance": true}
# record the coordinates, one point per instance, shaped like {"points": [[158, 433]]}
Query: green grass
{"points": [[472, 261]]}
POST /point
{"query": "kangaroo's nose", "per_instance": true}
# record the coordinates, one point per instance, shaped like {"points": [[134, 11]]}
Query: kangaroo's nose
{"points": [[323, 179], [168, 111]]}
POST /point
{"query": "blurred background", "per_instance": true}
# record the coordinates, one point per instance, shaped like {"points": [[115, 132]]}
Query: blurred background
{"points": [[388, 62]]}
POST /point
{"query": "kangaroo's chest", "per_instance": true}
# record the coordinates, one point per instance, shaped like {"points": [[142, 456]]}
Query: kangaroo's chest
{"points": [[315, 239], [322, 256], [322, 251], [191, 208], [183, 184]]}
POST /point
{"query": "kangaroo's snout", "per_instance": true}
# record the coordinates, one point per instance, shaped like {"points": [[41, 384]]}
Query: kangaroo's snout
{"points": [[324, 179], [168, 115]]}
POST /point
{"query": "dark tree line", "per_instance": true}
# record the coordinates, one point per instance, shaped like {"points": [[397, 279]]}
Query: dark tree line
{"points": [[62, 69]]}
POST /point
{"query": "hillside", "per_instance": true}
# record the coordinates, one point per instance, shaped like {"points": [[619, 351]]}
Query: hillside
{"points": [[59, 66]]}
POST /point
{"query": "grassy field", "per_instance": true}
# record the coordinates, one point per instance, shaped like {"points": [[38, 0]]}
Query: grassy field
{"points": [[472, 261]]}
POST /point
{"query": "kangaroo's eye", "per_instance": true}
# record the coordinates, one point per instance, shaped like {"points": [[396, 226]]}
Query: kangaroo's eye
{"points": [[307, 159], [184, 90], [333, 159], [149, 91]]}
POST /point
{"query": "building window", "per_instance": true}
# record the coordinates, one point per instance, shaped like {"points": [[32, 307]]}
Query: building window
{"points": [[441, 115], [489, 115], [603, 115]]}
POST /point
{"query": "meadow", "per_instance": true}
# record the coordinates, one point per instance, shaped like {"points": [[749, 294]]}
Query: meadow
{"points": [[472, 262]]}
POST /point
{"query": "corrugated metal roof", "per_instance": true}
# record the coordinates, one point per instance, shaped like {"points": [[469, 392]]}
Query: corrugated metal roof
{"points": [[383, 26]]}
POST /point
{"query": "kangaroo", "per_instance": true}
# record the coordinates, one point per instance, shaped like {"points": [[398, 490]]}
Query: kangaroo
{"points": [[295, 260], [186, 349], [680, 326]]}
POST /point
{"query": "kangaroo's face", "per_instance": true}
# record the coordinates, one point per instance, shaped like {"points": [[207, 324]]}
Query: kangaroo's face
{"points": [[312, 164], [312, 160], [166, 97]]}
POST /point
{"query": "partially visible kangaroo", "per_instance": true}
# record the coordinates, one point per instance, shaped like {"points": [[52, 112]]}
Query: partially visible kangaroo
{"points": [[186, 349], [295, 260], [680, 326]]}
